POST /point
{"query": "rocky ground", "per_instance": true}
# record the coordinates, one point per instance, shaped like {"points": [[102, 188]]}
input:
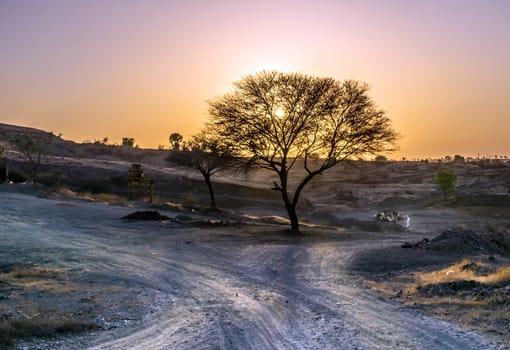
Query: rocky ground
{"points": [[221, 280], [459, 275], [75, 272]]}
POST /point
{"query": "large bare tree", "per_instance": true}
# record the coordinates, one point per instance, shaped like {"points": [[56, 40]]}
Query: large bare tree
{"points": [[281, 120], [206, 154]]}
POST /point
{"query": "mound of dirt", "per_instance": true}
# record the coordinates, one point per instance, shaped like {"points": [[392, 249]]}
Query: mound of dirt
{"points": [[388, 260], [457, 240], [146, 215]]}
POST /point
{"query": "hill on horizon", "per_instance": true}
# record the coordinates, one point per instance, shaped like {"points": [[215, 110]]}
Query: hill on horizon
{"points": [[69, 148]]}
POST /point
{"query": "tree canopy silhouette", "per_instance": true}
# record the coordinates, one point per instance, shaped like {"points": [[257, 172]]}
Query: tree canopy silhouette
{"points": [[128, 142], [206, 154], [175, 140], [276, 119]]}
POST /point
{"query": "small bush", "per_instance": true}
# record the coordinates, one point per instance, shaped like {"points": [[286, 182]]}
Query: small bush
{"points": [[446, 179], [95, 186], [14, 176], [52, 180]]}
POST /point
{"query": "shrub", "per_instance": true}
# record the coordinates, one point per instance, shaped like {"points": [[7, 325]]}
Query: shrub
{"points": [[52, 180], [14, 176], [26, 328], [446, 179], [94, 186]]}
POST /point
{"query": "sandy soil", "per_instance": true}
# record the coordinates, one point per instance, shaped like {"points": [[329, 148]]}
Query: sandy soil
{"points": [[220, 281]]}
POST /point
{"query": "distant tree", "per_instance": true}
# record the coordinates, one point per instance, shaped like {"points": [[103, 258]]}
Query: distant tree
{"points": [[284, 120], [381, 158], [447, 180], [207, 154], [33, 147], [458, 159], [447, 158], [175, 140], [105, 140], [128, 141]]}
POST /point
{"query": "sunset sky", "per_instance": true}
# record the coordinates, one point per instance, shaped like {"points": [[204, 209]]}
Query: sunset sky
{"points": [[91, 69]]}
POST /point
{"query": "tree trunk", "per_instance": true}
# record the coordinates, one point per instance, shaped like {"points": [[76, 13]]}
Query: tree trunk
{"points": [[207, 178], [35, 168], [34, 175], [290, 206], [294, 222], [7, 166]]}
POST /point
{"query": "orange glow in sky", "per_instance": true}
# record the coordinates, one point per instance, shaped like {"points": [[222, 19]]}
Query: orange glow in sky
{"points": [[91, 69]]}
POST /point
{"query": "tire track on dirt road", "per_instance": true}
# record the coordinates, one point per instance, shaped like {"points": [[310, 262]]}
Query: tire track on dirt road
{"points": [[242, 287], [283, 302]]}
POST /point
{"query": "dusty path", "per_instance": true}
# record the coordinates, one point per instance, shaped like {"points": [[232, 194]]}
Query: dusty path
{"points": [[234, 287]]}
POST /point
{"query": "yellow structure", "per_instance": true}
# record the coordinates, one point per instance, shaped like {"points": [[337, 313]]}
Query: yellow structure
{"points": [[136, 178]]}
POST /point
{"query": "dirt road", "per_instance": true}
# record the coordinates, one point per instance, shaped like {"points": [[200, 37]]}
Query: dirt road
{"points": [[239, 286]]}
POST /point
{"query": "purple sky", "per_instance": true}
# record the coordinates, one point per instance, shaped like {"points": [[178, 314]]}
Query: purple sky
{"points": [[102, 68]]}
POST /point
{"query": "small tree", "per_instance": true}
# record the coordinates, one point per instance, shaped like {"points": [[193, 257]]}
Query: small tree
{"points": [[175, 140], [128, 142], [284, 120], [33, 147], [459, 159], [206, 154], [446, 179]]}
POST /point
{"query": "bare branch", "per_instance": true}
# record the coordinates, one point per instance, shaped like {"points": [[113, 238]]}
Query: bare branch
{"points": [[275, 119]]}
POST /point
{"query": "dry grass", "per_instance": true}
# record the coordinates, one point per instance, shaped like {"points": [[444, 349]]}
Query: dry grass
{"points": [[34, 272], [500, 275], [31, 316], [472, 292], [10, 330], [105, 198], [467, 270], [40, 279]]}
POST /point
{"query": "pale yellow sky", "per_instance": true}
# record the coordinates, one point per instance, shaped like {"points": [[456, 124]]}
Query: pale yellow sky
{"points": [[144, 69]]}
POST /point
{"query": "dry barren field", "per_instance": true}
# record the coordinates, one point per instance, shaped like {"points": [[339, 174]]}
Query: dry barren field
{"points": [[75, 274]]}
